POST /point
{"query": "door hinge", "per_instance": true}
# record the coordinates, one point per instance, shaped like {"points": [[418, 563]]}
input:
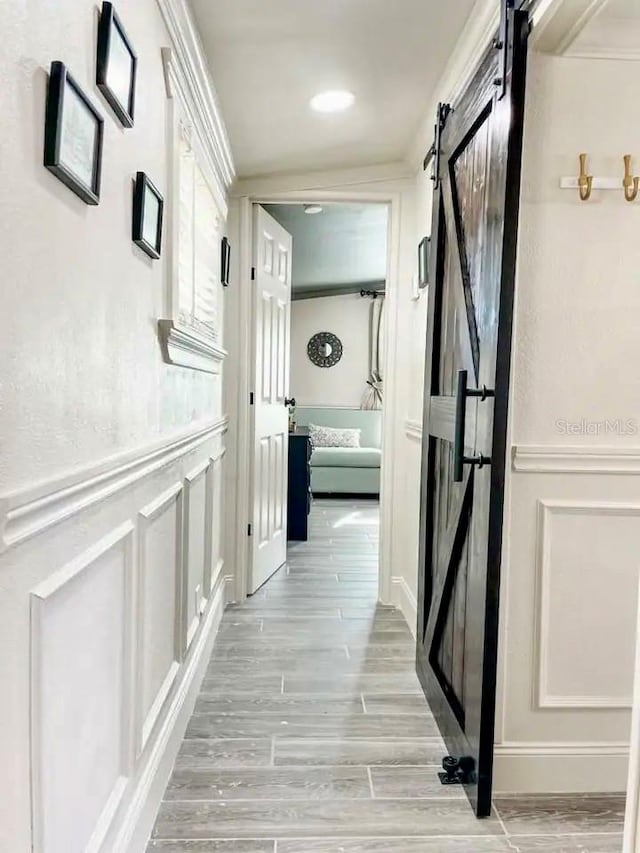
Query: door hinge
{"points": [[251, 398], [248, 530], [253, 273]]}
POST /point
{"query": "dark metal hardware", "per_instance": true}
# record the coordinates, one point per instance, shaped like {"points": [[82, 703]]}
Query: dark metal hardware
{"points": [[459, 459], [289, 401], [501, 43], [457, 771], [441, 119]]}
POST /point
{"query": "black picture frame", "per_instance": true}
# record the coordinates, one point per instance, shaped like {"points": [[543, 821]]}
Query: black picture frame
{"points": [[225, 261], [142, 210], [423, 261], [112, 37], [65, 138]]}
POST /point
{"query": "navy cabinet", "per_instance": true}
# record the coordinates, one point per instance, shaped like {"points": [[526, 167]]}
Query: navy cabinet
{"points": [[299, 486]]}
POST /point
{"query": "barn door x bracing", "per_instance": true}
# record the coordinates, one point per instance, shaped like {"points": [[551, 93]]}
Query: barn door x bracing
{"points": [[477, 157]]}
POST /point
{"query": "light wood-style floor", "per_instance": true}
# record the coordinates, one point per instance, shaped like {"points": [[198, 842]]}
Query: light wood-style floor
{"points": [[311, 734]]}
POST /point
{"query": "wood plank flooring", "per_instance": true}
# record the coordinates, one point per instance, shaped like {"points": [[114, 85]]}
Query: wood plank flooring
{"points": [[311, 733]]}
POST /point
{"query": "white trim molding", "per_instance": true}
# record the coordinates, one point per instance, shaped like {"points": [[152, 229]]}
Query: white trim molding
{"points": [[546, 508], [183, 347], [190, 68], [145, 724], [27, 512], [482, 24], [524, 767], [121, 537], [413, 429], [551, 459], [403, 598], [632, 811], [141, 811]]}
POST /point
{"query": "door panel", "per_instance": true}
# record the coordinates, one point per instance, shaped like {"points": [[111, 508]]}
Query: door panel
{"points": [[474, 233], [272, 300]]}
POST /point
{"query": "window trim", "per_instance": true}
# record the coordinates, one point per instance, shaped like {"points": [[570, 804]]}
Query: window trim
{"points": [[181, 344]]}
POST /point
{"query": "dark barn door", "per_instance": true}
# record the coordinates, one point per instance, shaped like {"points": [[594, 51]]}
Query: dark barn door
{"points": [[477, 183]]}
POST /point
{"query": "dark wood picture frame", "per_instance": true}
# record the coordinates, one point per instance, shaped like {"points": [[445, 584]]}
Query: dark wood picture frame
{"points": [[109, 25], [423, 261], [142, 187], [225, 261], [60, 83]]}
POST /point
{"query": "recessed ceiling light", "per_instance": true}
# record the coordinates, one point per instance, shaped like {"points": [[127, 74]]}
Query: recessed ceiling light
{"points": [[334, 101], [312, 208]]}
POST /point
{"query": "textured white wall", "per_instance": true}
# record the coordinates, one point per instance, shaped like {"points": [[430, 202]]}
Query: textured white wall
{"points": [[82, 375], [344, 383], [82, 380], [571, 536]]}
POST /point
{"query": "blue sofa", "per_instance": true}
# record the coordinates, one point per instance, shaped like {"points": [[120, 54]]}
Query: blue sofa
{"points": [[344, 470]]}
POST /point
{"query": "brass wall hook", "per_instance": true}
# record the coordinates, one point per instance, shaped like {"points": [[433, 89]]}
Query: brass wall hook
{"points": [[630, 183], [585, 182]]}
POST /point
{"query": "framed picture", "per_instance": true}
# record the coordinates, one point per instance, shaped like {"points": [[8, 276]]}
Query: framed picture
{"points": [[73, 131], [423, 262], [148, 206], [225, 262], [116, 65]]}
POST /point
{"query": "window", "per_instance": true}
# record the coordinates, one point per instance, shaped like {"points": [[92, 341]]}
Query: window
{"points": [[191, 333]]}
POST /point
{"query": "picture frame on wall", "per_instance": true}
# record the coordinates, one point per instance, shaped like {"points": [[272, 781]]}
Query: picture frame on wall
{"points": [[225, 261], [116, 65], [148, 209], [423, 262], [73, 135]]}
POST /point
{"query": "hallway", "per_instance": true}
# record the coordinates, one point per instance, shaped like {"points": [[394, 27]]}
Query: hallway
{"points": [[311, 734]]}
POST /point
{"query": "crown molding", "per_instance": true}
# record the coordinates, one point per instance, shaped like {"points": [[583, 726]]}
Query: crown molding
{"points": [[192, 72], [481, 26]]}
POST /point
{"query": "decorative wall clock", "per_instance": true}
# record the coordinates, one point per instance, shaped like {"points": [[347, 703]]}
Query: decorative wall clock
{"points": [[324, 349]]}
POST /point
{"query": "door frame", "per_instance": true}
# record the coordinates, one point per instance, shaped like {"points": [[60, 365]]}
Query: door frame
{"points": [[244, 348]]}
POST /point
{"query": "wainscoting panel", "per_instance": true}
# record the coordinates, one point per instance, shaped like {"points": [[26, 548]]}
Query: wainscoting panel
{"points": [[214, 513], [82, 624], [99, 569], [159, 605], [197, 549], [580, 582], [568, 611]]}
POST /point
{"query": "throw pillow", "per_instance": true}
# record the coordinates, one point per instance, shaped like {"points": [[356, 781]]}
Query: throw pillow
{"points": [[323, 436]]}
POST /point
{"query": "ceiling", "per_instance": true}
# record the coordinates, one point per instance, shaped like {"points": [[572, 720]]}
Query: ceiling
{"points": [[344, 245], [269, 57]]}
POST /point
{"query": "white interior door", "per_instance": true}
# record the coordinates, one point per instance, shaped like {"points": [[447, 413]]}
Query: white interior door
{"points": [[272, 313]]}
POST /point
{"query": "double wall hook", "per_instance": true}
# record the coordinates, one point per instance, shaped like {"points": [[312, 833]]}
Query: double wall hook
{"points": [[630, 183], [585, 182]]}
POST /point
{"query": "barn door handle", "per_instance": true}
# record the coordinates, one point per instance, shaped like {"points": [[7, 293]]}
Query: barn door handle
{"points": [[459, 459]]}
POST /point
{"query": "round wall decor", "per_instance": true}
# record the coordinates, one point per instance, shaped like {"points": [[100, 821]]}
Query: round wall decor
{"points": [[324, 349]]}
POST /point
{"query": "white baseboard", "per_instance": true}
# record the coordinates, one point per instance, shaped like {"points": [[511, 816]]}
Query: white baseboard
{"points": [[560, 767], [137, 821], [404, 599]]}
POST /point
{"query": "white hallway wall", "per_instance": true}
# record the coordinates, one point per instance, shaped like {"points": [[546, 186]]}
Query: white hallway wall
{"points": [[572, 553], [120, 450], [343, 384]]}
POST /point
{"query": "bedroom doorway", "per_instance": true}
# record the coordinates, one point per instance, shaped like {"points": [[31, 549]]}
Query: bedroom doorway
{"points": [[335, 396]]}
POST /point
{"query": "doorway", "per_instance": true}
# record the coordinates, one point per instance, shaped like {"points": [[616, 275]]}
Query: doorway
{"points": [[338, 256]]}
